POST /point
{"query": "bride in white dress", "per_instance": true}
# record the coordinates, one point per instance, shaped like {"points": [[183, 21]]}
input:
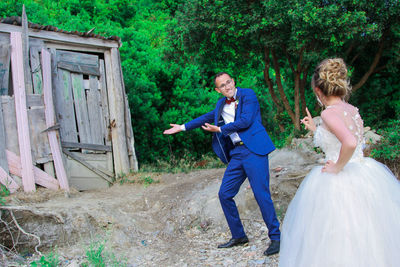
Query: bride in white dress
{"points": [[347, 212]]}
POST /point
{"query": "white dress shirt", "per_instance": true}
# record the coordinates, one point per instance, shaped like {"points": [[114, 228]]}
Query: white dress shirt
{"points": [[228, 114]]}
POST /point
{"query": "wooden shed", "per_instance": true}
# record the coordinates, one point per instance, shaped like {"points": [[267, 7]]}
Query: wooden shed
{"points": [[64, 115]]}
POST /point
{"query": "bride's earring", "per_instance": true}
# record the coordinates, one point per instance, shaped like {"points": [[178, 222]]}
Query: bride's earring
{"points": [[319, 101]]}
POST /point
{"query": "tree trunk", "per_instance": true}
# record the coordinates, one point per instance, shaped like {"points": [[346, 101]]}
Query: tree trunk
{"points": [[280, 87], [271, 90]]}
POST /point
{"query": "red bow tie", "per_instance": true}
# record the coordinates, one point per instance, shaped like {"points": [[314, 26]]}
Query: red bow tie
{"points": [[228, 101]]}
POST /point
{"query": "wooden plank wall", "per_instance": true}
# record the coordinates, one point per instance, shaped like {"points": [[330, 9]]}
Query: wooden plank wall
{"points": [[35, 46], [41, 152], [10, 123], [65, 112], [95, 111], [5, 53], [81, 109], [36, 70], [3, 160]]}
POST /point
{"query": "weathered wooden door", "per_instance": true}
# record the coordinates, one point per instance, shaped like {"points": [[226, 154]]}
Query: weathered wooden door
{"points": [[80, 98]]}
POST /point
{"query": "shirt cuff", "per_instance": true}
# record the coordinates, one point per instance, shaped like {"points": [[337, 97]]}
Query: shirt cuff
{"points": [[183, 128]]}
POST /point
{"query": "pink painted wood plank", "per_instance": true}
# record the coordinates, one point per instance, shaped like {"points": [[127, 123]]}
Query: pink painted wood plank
{"points": [[17, 67], [41, 178], [7, 181], [50, 121]]}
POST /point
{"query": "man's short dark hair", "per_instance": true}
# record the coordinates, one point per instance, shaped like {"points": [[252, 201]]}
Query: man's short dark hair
{"points": [[220, 74]]}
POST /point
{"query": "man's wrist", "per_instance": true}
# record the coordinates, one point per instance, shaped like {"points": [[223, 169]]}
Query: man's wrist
{"points": [[183, 128]]}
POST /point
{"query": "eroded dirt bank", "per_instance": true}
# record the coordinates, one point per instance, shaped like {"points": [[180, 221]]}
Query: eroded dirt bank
{"points": [[175, 222]]}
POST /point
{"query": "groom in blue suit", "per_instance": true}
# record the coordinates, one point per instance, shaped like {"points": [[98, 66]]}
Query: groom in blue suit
{"points": [[239, 140]]}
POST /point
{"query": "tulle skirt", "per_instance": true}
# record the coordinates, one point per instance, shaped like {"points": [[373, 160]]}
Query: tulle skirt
{"points": [[347, 219]]}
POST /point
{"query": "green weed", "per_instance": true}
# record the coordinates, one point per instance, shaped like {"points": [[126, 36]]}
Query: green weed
{"points": [[98, 257], [3, 193], [49, 260], [147, 180]]}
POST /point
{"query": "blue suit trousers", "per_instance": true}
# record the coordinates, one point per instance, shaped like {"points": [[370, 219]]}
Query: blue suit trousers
{"points": [[245, 163]]}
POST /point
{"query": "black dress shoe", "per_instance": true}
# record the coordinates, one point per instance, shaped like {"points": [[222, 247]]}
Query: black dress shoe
{"points": [[273, 248], [234, 242]]}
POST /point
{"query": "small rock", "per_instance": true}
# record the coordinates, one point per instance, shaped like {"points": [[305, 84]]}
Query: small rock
{"points": [[73, 264]]}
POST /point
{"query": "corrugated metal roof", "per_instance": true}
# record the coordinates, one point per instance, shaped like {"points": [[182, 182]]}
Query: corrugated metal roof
{"points": [[15, 20]]}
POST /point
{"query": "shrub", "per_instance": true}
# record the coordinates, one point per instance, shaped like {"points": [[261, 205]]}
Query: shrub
{"points": [[388, 149]]}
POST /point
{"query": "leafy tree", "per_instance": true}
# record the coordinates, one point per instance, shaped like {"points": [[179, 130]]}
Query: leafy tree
{"points": [[171, 50], [291, 36]]}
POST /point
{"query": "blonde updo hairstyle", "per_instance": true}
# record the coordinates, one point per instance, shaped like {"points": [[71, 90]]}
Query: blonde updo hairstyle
{"points": [[330, 76]]}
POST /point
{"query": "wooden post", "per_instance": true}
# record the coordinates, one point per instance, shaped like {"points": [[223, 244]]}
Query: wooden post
{"points": [[50, 121], [3, 159], [130, 140], [117, 112], [25, 52], [17, 67]]}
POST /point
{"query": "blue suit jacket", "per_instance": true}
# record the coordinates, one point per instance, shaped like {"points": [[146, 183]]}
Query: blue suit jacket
{"points": [[247, 124]]}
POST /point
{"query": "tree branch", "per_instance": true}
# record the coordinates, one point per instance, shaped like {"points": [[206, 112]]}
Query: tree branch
{"points": [[289, 59], [371, 67]]}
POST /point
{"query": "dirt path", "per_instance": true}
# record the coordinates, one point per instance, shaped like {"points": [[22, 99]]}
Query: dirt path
{"points": [[175, 222]]}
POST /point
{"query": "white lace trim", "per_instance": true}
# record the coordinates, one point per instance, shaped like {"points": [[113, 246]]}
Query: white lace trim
{"points": [[330, 145], [328, 142]]}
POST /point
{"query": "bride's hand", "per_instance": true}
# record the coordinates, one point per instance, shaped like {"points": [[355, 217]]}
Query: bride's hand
{"points": [[331, 167], [308, 121]]}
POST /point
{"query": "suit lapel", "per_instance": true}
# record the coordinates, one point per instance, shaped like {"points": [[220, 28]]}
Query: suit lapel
{"points": [[219, 109], [238, 100]]}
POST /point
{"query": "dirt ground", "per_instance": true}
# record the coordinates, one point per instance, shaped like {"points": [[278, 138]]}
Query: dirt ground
{"points": [[175, 221]]}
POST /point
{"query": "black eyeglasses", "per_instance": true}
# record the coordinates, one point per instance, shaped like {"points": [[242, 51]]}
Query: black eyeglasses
{"points": [[223, 86]]}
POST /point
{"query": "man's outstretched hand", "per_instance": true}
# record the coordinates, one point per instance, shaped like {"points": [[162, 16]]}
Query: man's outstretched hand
{"points": [[211, 128], [175, 128]]}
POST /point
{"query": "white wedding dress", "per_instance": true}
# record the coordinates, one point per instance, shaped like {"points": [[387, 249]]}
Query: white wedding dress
{"points": [[349, 219]]}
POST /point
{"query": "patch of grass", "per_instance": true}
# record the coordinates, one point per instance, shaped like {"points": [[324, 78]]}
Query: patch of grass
{"points": [[3, 193], [49, 260], [139, 178], [147, 180], [97, 256]]}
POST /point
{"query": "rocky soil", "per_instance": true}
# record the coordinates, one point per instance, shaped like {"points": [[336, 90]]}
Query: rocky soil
{"points": [[175, 222]]}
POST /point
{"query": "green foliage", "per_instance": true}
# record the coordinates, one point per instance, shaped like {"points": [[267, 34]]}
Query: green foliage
{"points": [[379, 100], [3, 193], [300, 33], [49, 260], [147, 180], [171, 50], [389, 147], [97, 256]]}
